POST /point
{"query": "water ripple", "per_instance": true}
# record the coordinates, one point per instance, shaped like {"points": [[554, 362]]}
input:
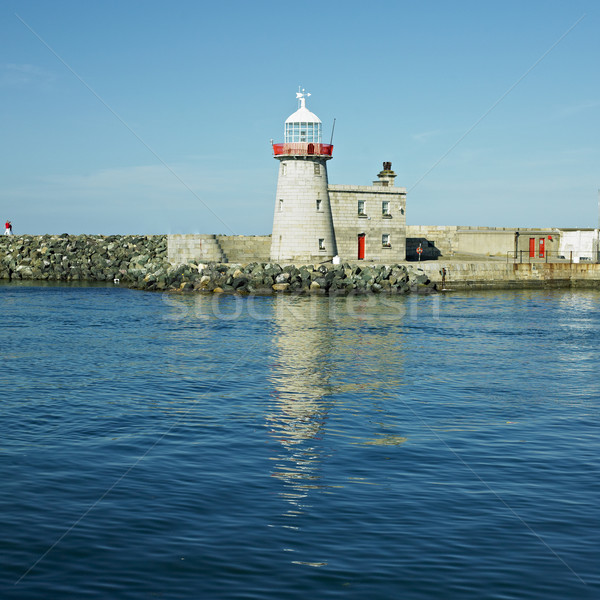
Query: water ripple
{"points": [[228, 447]]}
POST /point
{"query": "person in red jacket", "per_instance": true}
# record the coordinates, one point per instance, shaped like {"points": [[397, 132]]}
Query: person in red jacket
{"points": [[8, 228]]}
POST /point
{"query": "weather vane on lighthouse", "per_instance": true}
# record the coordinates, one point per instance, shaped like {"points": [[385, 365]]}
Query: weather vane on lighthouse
{"points": [[302, 95]]}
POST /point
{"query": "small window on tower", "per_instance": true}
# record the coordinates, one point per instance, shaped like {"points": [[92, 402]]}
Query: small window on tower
{"points": [[385, 240], [321, 244], [319, 204], [280, 205], [361, 208], [283, 168], [317, 169], [385, 208]]}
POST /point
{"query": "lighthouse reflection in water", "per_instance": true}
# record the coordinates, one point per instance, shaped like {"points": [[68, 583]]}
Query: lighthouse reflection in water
{"points": [[311, 349]]}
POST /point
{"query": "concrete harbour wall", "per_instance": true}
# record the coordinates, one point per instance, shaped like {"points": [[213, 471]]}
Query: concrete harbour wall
{"points": [[203, 248], [481, 275], [483, 241]]}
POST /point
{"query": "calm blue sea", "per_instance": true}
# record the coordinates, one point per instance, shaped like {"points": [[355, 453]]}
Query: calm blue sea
{"points": [[157, 446]]}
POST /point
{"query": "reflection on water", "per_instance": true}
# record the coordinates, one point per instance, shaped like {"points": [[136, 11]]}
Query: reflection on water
{"points": [[301, 397], [333, 359], [578, 323], [331, 362]]}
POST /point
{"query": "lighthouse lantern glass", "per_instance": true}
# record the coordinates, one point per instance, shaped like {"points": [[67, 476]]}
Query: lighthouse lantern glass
{"points": [[303, 132]]}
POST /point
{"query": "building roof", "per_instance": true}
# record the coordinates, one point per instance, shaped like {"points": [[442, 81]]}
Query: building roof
{"points": [[303, 115]]}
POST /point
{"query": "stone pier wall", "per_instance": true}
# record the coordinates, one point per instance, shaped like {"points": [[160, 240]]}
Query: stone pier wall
{"points": [[506, 275], [452, 240], [142, 262], [202, 248]]}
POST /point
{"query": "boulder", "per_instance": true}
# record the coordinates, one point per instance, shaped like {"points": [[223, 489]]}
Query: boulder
{"points": [[283, 277], [239, 282]]}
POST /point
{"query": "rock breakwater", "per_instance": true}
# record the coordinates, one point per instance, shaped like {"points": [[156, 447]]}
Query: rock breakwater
{"points": [[141, 262], [268, 278], [65, 257]]}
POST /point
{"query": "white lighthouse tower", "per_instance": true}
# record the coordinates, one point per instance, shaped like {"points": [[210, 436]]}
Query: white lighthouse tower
{"points": [[302, 225]]}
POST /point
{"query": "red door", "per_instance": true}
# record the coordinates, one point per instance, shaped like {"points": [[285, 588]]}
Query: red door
{"points": [[542, 247], [531, 247], [361, 246]]}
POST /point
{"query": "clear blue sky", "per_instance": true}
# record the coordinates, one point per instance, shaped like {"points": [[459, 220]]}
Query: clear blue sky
{"points": [[186, 95]]}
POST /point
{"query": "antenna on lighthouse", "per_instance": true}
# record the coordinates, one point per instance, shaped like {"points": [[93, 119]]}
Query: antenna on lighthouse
{"points": [[333, 129]]}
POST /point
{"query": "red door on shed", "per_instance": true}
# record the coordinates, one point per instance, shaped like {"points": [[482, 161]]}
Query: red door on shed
{"points": [[531, 247], [542, 247], [361, 246]]}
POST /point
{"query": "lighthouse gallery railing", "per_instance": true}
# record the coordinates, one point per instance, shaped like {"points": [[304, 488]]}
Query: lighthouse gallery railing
{"points": [[302, 149]]}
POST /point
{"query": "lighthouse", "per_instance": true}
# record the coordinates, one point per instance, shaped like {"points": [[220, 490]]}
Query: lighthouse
{"points": [[302, 223]]}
